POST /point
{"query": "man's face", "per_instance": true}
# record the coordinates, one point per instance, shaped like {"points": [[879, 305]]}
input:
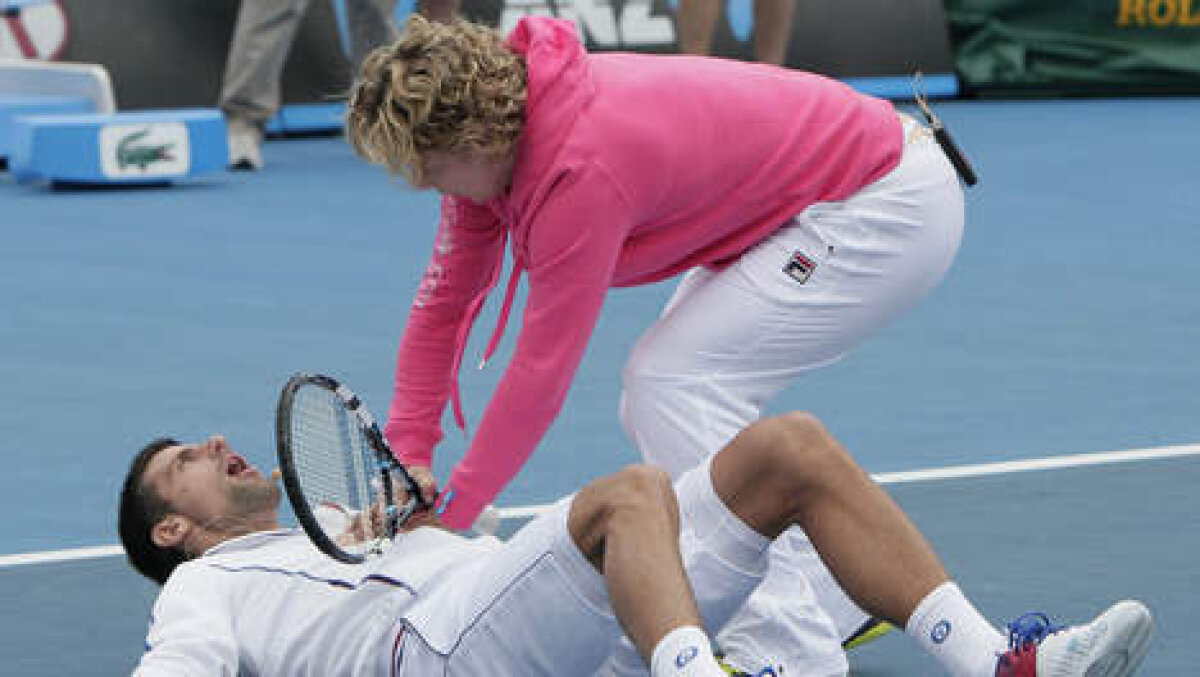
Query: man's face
{"points": [[211, 485]]}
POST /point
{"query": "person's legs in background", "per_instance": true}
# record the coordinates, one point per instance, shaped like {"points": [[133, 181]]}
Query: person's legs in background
{"points": [[252, 87], [439, 10], [372, 24], [772, 29], [696, 23]]}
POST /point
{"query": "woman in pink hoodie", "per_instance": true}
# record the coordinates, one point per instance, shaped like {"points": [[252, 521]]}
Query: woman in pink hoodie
{"points": [[805, 216]]}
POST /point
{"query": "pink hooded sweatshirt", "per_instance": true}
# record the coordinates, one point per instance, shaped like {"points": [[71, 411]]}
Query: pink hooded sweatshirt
{"points": [[630, 169]]}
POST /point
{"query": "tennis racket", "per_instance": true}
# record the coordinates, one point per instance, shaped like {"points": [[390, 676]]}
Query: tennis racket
{"points": [[338, 471]]}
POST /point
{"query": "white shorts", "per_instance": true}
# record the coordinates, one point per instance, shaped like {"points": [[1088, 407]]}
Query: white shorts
{"points": [[536, 606]]}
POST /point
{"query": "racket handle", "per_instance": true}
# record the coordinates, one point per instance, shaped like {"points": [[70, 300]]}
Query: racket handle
{"points": [[488, 521]]}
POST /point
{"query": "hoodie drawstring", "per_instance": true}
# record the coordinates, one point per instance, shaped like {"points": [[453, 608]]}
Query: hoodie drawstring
{"points": [[464, 330], [502, 321]]}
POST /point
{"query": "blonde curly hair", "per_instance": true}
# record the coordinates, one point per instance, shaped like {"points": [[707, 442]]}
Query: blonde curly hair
{"points": [[451, 86]]}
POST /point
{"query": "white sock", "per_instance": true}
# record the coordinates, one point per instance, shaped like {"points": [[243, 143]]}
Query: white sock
{"points": [[952, 630], [685, 652]]}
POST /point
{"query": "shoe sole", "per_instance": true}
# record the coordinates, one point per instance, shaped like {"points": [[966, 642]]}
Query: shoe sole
{"points": [[1126, 643]]}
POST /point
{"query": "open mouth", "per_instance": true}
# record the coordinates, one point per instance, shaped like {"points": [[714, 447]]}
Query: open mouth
{"points": [[236, 466]]}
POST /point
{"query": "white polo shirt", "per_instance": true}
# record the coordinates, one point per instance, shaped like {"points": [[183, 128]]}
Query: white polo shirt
{"points": [[271, 604]]}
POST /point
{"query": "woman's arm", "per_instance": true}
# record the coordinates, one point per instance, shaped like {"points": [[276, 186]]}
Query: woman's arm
{"points": [[468, 253]]}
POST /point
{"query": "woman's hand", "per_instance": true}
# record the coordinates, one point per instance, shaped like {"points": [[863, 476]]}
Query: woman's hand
{"points": [[426, 481], [427, 484]]}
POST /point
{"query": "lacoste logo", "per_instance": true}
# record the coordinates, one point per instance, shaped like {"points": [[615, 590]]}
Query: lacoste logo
{"points": [[141, 156]]}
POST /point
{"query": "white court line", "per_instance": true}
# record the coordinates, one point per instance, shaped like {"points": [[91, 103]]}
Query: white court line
{"points": [[60, 555], [950, 472], [977, 470]]}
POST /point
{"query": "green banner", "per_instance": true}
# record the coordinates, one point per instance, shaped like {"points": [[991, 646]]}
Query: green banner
{"points": [[1042, 47]]}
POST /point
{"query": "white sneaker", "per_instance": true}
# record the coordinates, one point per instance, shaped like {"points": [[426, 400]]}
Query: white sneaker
{"points": [[245, 145], [1112, 645]]}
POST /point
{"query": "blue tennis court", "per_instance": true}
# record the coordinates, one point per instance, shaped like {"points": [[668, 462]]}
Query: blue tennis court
{"points": [[1068, 326]]}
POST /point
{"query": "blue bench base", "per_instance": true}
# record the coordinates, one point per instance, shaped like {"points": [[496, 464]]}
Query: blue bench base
{"points": [[133, 148], [307, 118], [15, 106]]}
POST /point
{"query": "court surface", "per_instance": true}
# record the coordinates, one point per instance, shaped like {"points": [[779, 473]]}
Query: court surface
{"points": [[1068, 326]]}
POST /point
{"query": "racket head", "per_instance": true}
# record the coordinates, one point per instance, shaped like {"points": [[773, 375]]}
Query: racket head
{"points": [[335, 465]]}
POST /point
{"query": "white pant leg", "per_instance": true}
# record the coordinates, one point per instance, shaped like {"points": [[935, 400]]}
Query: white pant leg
{"points": [[536, 606], [371, 25], [533, 607], [728, 341], [252, 86]]}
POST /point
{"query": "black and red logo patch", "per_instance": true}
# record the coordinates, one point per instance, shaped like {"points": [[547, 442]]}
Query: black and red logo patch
{"points": [[800, 267]]}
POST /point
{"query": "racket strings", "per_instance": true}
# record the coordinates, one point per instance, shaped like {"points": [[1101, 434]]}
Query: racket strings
{"points": [[331, 453], [337, 469]]}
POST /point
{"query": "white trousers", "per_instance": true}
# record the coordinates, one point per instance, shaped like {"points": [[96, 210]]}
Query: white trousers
{"points": [[729, 340], [252, 87], [535, 606]]}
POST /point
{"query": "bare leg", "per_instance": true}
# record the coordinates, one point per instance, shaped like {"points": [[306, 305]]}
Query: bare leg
{"points": [[627, 525], [772, 29], [438, 10], [696, 20], [789, 471]]}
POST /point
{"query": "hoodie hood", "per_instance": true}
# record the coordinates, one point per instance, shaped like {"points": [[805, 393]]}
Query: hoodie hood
{"points": [[559, 89]]}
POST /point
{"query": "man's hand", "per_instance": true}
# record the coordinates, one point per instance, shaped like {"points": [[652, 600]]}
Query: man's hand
{"points": [[368, 525], [362, 526], [350, 526]]}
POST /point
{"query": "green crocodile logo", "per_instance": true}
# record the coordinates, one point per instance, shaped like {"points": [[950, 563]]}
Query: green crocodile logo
{"points": [[131, 155]]}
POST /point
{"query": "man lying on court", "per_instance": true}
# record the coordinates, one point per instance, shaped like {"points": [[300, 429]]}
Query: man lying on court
{"points": [[625, 557]]}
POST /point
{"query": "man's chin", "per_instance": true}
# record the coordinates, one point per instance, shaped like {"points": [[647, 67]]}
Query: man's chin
{"points": [[258, 496]]}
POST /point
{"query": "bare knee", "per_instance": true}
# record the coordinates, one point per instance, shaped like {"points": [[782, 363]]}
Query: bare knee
{"points": [[776, 470], [793, 439], [636, 497], [794, 454], [641, 491]]}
